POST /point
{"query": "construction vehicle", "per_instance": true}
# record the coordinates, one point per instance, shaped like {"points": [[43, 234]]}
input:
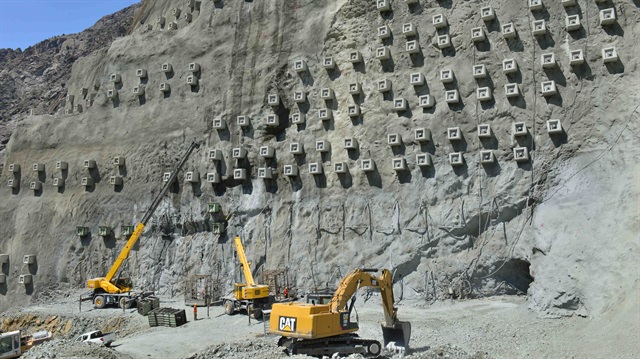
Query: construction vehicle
{"points": [[14, 344], [249, 296], [112, 289], [326, 329]]}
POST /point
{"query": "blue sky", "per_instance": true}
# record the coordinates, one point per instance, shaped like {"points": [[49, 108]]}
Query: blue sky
{"points": [[24, 23]]}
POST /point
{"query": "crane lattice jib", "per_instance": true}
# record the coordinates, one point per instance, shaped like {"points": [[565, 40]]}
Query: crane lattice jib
{"points": [[124, 254]]}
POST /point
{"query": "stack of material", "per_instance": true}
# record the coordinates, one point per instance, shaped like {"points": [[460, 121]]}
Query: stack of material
{"points": [[167, 317], [148, 304]]}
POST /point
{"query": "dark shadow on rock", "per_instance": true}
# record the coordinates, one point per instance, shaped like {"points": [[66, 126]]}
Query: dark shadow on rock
{"points": [[3, 289], [345, 179], [555, 99], [582, 71], [581, 33], [247, 186], [271, 185], [118, 188], [559, 139], [42, 176], [169, 75], [94, 173], [461, 170], [614, 29], [301, 159], [248, 131], [416, 8], [166, 94], [555, 74], [489, 143], [545, 41], [449, 51], [447, 4], [518, 101], [457, 106], [122, 171], [334, 73], [38, 192], [328, 125], [417, 59], [28, 288], [388, 65], [399, 150], [33, 268], [360, 67], [404, 176], [219, 189], [142, 100], [525, 166], [459, 145], [224, 134], [428, 147], [296, 183], [305, 106], [109, 241], [615, 67], [486, 105], [357, 120], [354, 154], [483, 46], [374, 178], [86, 240], [195, 88], [428, 171], [307, 78], [515, 44], [326, 156], [175, 186], [320, 180], [220, 4], [422, 90], [492, 169]]}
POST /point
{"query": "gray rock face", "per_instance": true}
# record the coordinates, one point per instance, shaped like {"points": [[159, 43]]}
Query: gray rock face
{"points": [[548, 216]]}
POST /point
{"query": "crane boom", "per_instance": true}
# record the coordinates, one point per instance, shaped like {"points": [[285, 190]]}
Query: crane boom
{"points": [[107, 284], [246, 266]]}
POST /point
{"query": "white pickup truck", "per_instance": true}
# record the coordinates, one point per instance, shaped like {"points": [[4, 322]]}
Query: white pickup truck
{"points": [[97, 337]]}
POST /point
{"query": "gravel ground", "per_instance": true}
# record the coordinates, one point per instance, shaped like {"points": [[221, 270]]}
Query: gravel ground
{"points": [[500, 327]]}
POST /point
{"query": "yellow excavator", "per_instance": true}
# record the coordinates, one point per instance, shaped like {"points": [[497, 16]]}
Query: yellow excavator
{"points": [[111, 289], [326, 329], [248, 296]]}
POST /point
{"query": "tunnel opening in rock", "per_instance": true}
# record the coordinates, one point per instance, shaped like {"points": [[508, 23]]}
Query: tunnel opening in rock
{"points": [[514, 277]]}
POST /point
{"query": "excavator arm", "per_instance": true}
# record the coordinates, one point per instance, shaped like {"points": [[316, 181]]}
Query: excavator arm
{"points": [[107, 283], [393, 330]]}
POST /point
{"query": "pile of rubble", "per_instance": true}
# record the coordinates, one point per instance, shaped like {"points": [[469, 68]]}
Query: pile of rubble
{"points": [[71, 349]]}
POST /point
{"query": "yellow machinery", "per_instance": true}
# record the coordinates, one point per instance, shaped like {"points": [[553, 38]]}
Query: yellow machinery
{"points": [[115, 290], [14, 344], [326, 329], [247, 296]]}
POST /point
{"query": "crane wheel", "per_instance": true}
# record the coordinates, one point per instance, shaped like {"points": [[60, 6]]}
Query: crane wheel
{"points": [[228, 307], [99, 302], [256, 313], [374, 349], [124, 303]]}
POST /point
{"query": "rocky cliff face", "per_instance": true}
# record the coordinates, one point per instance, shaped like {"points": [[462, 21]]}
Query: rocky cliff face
{"points": [[526, 210], [35, 79]]}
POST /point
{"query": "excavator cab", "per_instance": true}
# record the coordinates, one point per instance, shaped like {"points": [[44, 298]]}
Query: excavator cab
{"points": [[399, 334]]}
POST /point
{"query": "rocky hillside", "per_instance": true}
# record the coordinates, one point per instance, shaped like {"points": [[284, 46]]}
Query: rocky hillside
{"points": [[337, 134], [36, 78]]}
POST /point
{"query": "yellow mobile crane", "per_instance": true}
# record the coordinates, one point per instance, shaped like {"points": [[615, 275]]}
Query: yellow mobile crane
{"points": [[249, 296], [115, 290], [326, 329]]}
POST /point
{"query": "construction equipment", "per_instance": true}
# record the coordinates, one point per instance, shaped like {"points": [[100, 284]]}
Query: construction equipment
{"points": [[112, 289], [326, 329], [247, 296], [14, 344]]}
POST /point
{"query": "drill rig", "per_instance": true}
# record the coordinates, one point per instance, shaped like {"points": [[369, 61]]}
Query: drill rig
{"points": [[326, 329]]}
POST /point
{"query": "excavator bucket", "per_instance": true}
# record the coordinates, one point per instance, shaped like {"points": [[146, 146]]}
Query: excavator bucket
{"points": [[400, 333]]}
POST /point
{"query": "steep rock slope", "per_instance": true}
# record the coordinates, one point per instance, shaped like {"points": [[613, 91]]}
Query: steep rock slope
{"points": [[535, 226], [35, 79]]}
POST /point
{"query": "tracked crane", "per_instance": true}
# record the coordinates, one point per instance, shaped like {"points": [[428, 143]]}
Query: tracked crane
{"points": [[326, 329], [247, 296], [111, 289]]}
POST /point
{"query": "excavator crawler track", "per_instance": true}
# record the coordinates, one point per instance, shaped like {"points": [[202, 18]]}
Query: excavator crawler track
{"points": [[342, 344]]}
